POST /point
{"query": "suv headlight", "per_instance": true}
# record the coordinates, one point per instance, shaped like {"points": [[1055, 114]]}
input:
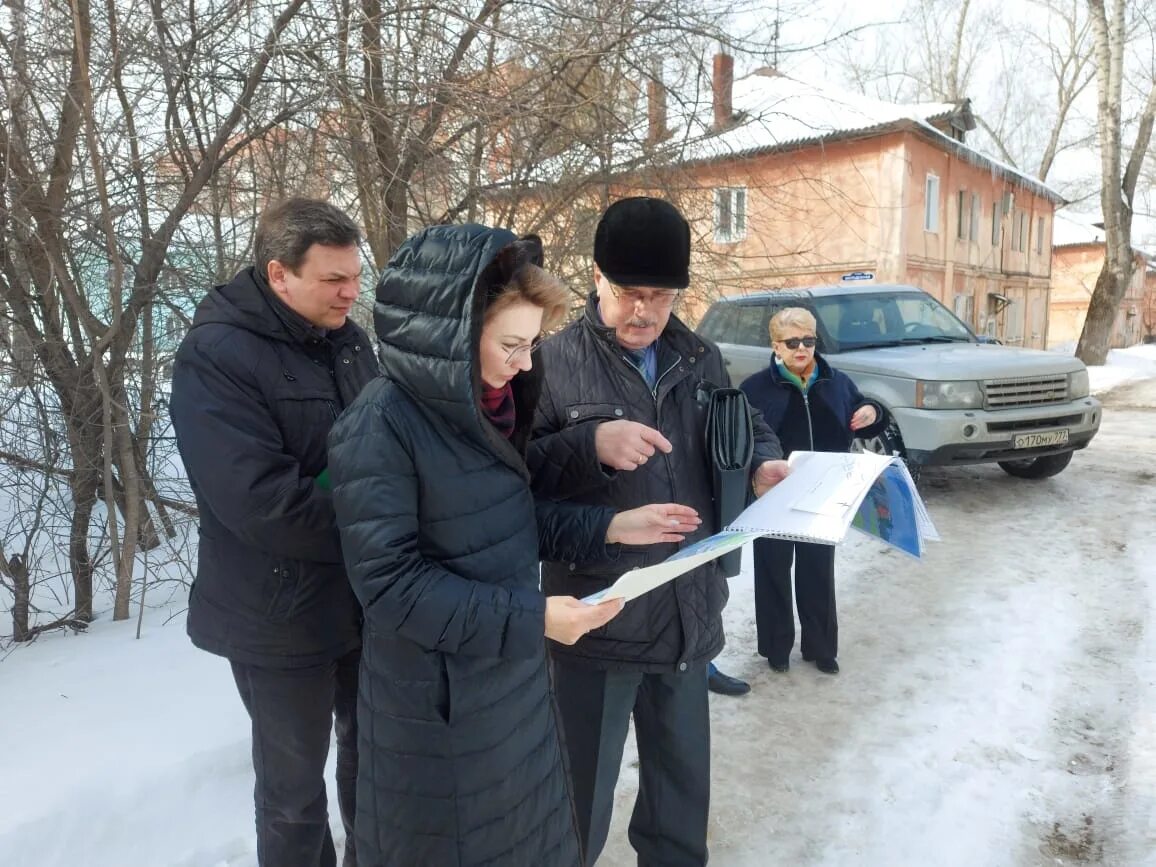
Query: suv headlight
{"points": [[1078, 385], [948, 395]]}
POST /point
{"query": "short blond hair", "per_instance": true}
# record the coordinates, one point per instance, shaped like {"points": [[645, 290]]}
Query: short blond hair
{"points": [[798, 317], [532, 285]]}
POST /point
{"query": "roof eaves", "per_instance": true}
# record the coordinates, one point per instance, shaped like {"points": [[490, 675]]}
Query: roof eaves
{"points": [[971, 155], [922, 128]]}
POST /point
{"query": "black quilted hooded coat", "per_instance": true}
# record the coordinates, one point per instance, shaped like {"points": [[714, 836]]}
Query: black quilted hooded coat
{"points": [[460, 757]]}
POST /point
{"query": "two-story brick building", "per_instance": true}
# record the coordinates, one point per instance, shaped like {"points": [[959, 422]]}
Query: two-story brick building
{"points": [[791, 184]]}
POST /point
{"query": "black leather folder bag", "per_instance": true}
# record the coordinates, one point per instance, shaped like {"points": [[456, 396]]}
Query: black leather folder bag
{"points": [[730, 441]]}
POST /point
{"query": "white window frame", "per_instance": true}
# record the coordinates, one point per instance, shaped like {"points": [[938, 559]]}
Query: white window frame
{"points": [[730, 214], [931, 203]]}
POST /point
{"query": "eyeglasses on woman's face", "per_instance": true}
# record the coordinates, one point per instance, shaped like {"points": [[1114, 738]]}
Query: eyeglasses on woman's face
{"points": [[520, 351], [796, 342], [659, 299]]}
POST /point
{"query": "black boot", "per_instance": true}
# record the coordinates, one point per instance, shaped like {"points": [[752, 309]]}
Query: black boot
{"points": [[780, 665], [724, 684], [827, 666]]}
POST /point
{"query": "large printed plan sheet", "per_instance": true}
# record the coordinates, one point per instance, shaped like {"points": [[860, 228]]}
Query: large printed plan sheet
{"points": [[824, 494]]}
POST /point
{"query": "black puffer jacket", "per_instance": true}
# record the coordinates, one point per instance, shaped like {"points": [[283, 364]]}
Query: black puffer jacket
{"points": [[589, 381], [818, 421], [460, 757], [255, 392]]}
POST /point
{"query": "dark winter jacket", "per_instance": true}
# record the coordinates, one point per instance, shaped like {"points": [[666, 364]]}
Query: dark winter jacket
{"points": [[588, 381], [460, 757], [819, 421], [255, 391]]}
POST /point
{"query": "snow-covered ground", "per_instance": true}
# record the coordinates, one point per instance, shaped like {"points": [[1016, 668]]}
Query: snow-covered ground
{"points": [[997, 704], [1124, 365]]}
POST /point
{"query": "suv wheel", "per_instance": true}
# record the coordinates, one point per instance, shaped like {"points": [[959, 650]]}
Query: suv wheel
{"points": [[1037, 468], [888, 442]]}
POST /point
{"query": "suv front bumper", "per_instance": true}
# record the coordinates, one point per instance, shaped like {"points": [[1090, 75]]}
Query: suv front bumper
{"points": [[978, 436]]}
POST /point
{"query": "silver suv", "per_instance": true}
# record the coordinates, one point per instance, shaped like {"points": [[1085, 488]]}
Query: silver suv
{"points": [[953, 398]]}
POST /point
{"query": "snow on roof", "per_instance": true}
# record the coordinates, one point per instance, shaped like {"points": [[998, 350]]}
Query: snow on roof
{"points": [[775, 111], [1071, 229]]}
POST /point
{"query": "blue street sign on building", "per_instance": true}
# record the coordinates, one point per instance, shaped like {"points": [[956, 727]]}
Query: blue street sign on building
{"points": [[857, 275]]}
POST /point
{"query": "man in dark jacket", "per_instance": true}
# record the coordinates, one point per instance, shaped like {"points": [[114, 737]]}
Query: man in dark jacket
{"points": [[269, 363], [620, 423]]}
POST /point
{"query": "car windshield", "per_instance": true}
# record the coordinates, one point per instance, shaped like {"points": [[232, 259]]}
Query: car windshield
{"points": [[888, 319]]}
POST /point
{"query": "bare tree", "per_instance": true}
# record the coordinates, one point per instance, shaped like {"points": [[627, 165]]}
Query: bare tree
{"points": [[441, 107], [945, 51], [1120, 171], [114, 120]]}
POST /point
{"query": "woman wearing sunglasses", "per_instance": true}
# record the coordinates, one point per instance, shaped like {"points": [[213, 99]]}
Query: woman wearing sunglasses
{"points": [[811, 407], [460, 760]]}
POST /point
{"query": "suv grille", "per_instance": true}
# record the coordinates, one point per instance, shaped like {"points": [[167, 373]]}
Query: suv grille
{"points": [[1025, 391]]}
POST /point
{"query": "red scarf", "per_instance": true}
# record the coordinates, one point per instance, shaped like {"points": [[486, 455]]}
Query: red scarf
{"points": [[498, 406]]}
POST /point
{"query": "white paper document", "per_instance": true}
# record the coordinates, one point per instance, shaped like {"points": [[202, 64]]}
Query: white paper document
{"points": [[825, 494], [638, 581]]}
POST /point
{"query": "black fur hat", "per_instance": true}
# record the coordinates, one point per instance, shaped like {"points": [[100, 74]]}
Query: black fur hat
{"points": [[642, 241]]}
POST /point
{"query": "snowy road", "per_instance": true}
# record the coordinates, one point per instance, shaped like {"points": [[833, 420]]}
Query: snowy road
{"points": [[997, 704]]}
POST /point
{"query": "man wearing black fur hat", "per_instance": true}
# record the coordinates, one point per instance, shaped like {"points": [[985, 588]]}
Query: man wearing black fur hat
{"points": [[620, 424]]}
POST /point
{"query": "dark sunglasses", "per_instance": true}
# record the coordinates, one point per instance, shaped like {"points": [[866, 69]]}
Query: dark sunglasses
{"points": [[796, 342]]}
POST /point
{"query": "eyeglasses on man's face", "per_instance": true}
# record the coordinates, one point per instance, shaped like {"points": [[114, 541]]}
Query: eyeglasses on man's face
{"points": [[662, 299], [796, 342], [517, 353]]}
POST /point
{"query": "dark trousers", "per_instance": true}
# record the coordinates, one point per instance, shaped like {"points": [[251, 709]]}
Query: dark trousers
{"points": [[294, 713], [672, 728], [814, 595]]}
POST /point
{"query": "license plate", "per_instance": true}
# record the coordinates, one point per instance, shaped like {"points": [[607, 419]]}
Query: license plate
{"points": [[1039, 440]]}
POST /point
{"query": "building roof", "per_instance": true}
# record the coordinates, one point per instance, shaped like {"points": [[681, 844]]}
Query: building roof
{"points": [[1073, 230], [776, 112]]}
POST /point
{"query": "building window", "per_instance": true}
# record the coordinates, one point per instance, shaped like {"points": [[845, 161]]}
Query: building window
{"points": [[730, 214], [963, 306], [968, 208], [931, 204], [996, 218], [1040, 235], [1020, 231]]}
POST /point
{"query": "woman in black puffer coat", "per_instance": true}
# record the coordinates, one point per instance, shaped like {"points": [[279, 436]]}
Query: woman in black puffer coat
{"points": [[460, 760]]}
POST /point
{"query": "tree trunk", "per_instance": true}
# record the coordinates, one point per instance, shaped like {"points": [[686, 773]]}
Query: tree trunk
{"points": [[1096, 338], [17, 570], [83, 486]]}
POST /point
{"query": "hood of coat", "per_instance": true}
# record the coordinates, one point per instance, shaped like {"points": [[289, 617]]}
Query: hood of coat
{"points": [[247, 302], [429, 315]]}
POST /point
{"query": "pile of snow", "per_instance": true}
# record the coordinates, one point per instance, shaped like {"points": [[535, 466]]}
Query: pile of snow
{"points": [[1124, 365], [123, 753]]}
